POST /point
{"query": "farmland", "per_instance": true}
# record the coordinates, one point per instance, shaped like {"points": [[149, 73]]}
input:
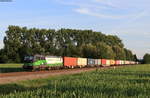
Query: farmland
{"points": [[123, 82], [5, 68]]}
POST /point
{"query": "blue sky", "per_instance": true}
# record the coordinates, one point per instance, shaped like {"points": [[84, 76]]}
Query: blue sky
{"points": [[128, 19]]}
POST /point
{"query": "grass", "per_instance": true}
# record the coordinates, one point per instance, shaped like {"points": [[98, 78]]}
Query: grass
{"points": [[122, 82], [5, 68]]}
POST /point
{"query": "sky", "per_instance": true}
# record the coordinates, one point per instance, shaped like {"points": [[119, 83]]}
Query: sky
{"points": [[128, 19]]}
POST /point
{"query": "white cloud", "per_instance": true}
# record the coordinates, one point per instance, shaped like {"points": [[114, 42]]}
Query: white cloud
{"points": [[87, 11], [109, 9], [105, 2]]}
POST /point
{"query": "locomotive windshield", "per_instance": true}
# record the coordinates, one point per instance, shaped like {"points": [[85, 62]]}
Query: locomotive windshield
{"points": [[29, 59]]}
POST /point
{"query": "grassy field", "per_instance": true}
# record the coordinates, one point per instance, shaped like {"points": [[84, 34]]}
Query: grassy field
{"points": [[122, 82], [5, 68]]}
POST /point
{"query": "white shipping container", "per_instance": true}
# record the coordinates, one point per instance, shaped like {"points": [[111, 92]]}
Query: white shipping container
{"points": [[96, 62], [81, 61], [53, 59], [122, 62], [107, 62]]}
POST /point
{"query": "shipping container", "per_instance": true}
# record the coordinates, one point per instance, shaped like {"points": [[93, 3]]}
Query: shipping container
{"points": [[81, 62], [53, 61], [105, 62], [70, 61], [91, 62], [112, 62], [97, 62], [117, 62], [121, 62], [127, 62], [130, 63]]}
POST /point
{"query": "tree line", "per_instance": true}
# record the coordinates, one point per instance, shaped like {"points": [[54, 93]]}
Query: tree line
{"points": [[146, 58], [22, 41]]}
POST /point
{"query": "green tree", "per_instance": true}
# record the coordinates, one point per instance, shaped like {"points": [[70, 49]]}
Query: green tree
{"points": [[119, 53], [89, 51], [22, 41], [146, 58], [129, 54], [12, 43], [104, 51], [3, 56], [135, 57]]}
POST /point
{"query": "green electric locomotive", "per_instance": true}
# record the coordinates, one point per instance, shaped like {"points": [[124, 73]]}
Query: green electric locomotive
{"points": [[41, 62]]}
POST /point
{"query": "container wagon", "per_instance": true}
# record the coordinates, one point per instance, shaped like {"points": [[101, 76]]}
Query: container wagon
{"points": [[54, 61], [91, 62], [98, 62], [70, 62], [105, 62], [112, 62], [108, 62], [117, 62], [81, 62]]}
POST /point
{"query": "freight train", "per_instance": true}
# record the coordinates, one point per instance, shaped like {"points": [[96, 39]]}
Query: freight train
{"points": [[51, 62]]}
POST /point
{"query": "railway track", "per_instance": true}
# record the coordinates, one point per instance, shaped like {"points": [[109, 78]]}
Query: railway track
{"points": [[21, 76]]}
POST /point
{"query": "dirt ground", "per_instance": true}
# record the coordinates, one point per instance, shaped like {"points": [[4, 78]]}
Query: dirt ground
{"points": [[20, 76]]}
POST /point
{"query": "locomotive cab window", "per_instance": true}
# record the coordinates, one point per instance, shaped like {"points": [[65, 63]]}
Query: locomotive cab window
{"points": [[28, 58]]}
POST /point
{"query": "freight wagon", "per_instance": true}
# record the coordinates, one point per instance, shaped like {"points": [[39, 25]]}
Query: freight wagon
{"points": [[105, 62], [91, 62], [54, 61], [98, 62], [112, 62], [117, 62], [51, 62], [81, 62], [70, 62]]}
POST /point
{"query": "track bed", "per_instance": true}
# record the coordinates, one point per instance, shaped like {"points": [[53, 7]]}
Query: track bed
{"points": [[20, 76]]}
